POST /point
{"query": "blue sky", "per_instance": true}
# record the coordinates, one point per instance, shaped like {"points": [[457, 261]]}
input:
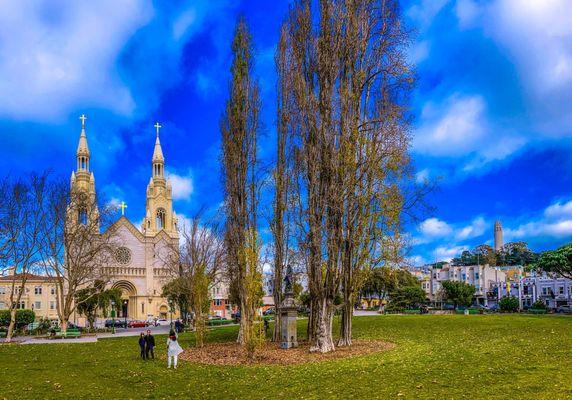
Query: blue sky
{"points": [[492, 108]]}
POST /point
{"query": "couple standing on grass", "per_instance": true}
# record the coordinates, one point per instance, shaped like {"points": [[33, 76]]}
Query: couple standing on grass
{"points": [[147, 344]]}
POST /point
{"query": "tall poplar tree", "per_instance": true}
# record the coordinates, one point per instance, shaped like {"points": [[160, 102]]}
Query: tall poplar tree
{"points": [[348, 79], [239, 128]]}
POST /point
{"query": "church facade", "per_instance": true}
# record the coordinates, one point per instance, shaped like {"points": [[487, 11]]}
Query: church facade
{"points": [[140, 266]]}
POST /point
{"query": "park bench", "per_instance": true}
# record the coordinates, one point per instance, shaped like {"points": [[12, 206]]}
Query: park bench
{"points": [[69, 333]]}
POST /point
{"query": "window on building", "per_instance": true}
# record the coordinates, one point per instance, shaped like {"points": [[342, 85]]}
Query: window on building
{"points": [[561, 290], [21, 305], [82, 216], [38, 290], [2, 305], [53, 291], [160, 219], [476, 275], [52, 305], [2, 290], [142, 308], [545, 291], [38, 305], [217, 302]]}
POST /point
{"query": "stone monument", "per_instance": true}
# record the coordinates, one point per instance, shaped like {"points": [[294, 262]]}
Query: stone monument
{"points": [[288, 314]]}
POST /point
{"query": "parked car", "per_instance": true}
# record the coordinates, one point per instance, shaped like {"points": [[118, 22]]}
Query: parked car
{"points": [[137, 324], [215, 317], [270, 311], [162, 322], [119, 323], [564, 309], [74, 326]]}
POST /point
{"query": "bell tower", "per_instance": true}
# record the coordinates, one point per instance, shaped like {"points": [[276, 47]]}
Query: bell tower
{"points": [[159, 214], [83, 205]]}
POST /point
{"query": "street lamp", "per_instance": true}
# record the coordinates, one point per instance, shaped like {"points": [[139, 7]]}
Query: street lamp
{"points": [[171, 311], [125, 313], [112, 317]]}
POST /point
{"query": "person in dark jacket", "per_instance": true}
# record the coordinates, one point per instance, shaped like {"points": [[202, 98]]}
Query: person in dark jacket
{"points": [[149, 345], [142, 344]]}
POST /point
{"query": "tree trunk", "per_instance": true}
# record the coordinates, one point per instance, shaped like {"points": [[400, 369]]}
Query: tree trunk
{"points": [[323, 342], [312, 319], [12, 325], [277, 335], [346, 326]]}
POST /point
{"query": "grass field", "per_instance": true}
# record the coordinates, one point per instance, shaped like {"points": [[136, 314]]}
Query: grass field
{"points": [[436, 357]]}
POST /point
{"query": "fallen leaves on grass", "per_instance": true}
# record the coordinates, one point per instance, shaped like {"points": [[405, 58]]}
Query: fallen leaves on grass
{"points": [[272, 354]]}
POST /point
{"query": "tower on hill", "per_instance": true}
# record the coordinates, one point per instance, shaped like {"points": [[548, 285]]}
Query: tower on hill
{"points": [[498, 236]]}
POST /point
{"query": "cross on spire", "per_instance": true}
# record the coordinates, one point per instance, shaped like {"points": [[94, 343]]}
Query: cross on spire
{"points": [[83, 118], [157, 126], [123, 206]]}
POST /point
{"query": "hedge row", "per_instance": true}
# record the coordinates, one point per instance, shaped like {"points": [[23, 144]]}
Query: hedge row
{"points": [[23, 318]]}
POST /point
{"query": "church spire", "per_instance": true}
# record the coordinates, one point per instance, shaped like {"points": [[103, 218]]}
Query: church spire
{"points": [[82, 152], [159, 214], [158, 160]]}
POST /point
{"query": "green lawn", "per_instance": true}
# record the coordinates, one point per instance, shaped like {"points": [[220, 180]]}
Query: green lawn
{"points": [[436, 357]]}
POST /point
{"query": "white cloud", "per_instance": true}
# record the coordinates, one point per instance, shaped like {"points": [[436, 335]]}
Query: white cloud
{"points": [[416, 260], [559, 210], [434, 228], [422, 176], [555, 223], [467, 12], [453, 128], [459, 128], [419, 51], [536, 36], [425, 11], [475, 229], [182, 186], [55, 56], [114, 202], [446, 253]]}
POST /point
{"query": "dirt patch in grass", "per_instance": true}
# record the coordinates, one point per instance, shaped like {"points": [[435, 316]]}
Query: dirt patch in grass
{"points": [[271, 354]]}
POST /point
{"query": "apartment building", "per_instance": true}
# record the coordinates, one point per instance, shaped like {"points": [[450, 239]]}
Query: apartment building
{"points": [[39, 294]]}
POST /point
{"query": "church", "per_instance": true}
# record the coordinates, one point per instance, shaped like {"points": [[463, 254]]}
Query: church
{"points": [[139, 268]]}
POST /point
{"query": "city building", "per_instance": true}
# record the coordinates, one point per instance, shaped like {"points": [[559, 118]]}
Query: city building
{"points": [[221, 305], [483, 277], [552, 291], [39, 294]]}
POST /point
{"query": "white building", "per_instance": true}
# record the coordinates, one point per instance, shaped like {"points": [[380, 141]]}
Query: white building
{"points": [[483, 277]]}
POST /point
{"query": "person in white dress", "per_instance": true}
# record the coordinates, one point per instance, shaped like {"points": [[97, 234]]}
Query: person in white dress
{"points": [[173, 350]]}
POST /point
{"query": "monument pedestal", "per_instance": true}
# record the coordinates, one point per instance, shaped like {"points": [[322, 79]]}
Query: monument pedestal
{"points": [[288, 317]]}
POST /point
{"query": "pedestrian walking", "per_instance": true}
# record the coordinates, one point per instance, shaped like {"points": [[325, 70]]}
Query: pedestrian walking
{"points": [[142, 343], [149, 345], [173, 350]]}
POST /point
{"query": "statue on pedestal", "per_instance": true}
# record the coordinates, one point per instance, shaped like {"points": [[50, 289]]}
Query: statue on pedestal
{"points": [[289, 313]]}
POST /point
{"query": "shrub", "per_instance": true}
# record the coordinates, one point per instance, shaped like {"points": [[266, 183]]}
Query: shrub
{"points": [[509, 304], [538, 305], [23, 318]]}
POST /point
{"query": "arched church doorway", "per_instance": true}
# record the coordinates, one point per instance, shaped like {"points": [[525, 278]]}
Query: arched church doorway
{"points": [[127, 308]]}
